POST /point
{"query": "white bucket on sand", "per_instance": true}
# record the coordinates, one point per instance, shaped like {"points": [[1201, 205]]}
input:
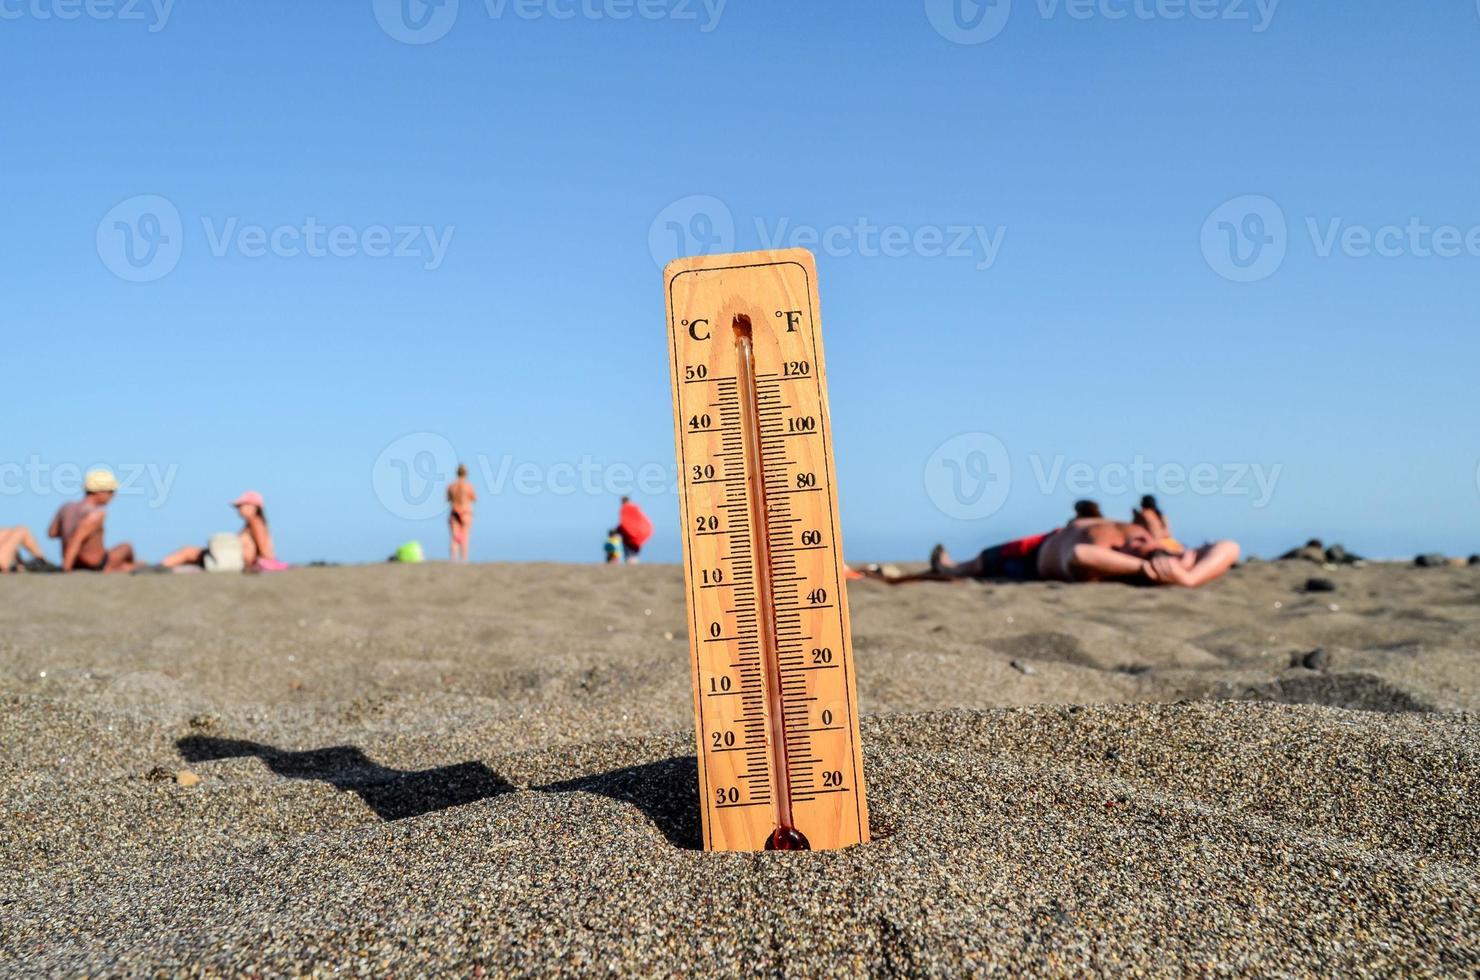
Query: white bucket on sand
{"points": [[224, 553]]}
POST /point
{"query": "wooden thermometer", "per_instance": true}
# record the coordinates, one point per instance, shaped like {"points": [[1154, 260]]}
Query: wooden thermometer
{"points": [[775, 700]]}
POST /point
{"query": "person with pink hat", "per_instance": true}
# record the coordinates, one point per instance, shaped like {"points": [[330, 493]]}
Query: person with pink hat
{"points": [[254, 540]]}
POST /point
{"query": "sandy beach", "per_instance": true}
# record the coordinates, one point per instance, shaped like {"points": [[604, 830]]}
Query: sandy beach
{"points": [[394, 770]]}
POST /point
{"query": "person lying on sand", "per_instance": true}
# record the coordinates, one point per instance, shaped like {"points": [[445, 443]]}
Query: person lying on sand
{"points": [[79, 526], [460, 498], [1149, 516], [256, 540], [12, 540], [1087, 549]]}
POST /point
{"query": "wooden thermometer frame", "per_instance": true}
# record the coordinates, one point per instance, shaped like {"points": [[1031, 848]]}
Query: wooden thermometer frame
{"points": [[775, 696]]}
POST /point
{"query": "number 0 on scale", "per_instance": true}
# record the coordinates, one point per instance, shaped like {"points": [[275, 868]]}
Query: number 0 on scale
{"points": [[775, 699]]}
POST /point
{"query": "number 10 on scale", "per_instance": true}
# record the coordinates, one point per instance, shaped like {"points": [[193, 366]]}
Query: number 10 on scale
{"points": [[775, 698]]}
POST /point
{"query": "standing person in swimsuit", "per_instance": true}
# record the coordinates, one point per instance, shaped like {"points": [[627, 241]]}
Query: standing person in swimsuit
{"points": [[79, 526], [258, 552], [460, 498]]}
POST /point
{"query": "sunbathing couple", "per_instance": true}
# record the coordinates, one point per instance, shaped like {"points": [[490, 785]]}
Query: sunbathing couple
{"points": [[79, 525], [1090, 548]]}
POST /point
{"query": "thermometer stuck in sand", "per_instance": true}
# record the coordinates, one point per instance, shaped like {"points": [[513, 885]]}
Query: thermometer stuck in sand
{"points": [[775, 699]]}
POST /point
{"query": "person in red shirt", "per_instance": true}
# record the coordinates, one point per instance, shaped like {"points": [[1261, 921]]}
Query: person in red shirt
{"points": [[635, 529]]}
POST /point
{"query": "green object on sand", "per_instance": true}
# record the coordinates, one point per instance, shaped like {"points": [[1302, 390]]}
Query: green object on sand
{"points": [[410, 553]]}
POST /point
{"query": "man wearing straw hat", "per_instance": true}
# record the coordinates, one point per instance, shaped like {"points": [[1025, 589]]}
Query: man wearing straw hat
{"points": [[79, 525]]}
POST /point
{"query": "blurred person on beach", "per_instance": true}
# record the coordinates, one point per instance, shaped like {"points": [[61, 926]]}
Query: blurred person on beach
{"points": [[1089, 549], [1087, 508], [460, 499], [613, 547], [79, 526], [634, 528], [257, 550], [1149, 516], [12, 540]]}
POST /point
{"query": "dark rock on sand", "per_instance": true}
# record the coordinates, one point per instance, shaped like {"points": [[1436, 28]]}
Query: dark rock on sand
{"points": [[1431, 561], [1312, 550], [1316, 551], [1316, 659], [1337, 555], [1319, 585]]}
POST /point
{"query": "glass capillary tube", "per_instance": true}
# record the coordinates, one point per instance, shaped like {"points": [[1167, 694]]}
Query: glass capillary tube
{"points": [[786, 837]]}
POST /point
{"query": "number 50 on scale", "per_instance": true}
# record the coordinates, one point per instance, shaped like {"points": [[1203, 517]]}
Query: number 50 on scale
{"points": [[775, 698]]}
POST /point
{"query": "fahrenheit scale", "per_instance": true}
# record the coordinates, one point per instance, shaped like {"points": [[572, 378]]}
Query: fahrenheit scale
{"points": [[775, 698]]}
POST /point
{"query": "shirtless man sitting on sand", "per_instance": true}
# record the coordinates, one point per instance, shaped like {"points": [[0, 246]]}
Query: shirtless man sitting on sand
{"points": [[1090, 549], [79, 525]]}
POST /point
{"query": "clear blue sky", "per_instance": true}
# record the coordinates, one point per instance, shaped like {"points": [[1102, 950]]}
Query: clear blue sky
{"points": [[1107, 331]]}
